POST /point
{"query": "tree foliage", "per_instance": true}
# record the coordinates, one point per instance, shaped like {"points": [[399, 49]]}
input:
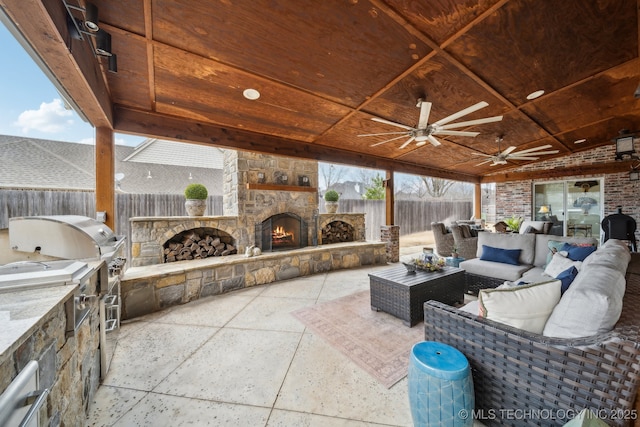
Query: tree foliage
{"points": [[375, 191]]}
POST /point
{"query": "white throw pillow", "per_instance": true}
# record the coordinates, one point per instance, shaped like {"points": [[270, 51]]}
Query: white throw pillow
{"points": [[560, 263], [525, 307]]}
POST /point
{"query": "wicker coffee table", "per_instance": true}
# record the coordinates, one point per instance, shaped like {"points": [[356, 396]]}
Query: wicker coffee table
{"points": [[402, 294]]}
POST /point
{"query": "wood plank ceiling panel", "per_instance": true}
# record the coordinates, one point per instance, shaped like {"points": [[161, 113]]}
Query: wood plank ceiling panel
{"points": [[197, 88], [341, 50]]}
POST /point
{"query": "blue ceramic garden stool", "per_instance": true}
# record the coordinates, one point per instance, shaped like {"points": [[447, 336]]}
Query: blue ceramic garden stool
{"points": [[440, 386]]}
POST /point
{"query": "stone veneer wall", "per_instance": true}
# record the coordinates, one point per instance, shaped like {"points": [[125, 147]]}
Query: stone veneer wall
{"points": [[515, 197], [253, 206], [356, 220], [68, 366], [148, 289], [148, 234]]}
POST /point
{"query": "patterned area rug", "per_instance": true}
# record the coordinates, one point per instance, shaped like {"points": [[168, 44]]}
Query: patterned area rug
{"points": [[377, 342]]}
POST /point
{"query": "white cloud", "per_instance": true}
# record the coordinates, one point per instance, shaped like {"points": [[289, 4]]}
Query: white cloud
{"points": [[52, 117], [88, 141]]}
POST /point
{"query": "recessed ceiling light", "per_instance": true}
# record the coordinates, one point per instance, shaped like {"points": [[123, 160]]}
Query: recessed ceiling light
{"points": [[579, 141], [536, 94], [251, 94]]}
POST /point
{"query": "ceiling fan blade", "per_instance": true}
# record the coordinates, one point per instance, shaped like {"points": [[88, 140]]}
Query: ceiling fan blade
{"points": [[461, 113], [433, 140], [407, 142], [387, 122], [383, 133], [388, 140], [536, 153], [425, 110], [482, 154], [455, 133], [472, 122], [508, 150], [485, 162], [523, 158], [528, 150]]}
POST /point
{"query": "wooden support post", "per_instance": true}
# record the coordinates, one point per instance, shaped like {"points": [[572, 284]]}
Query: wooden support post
{"points": [[105, 175], [477, 201], [389, 198]]}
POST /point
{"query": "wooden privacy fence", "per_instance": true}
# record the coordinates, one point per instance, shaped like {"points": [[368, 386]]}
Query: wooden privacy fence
{"points": [[412, 216]]}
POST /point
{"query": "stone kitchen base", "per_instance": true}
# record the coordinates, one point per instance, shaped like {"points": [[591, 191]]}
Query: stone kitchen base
{"points": [[152, 288]]}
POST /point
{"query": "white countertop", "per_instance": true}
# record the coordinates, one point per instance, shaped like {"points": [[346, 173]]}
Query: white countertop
{"points": [[21, 311]]}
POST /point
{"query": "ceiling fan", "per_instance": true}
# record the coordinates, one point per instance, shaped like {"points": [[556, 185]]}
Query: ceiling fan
{"points": [[424, 132], [509, 154]]}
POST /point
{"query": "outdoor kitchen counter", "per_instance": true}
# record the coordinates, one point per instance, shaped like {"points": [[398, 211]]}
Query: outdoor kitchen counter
{"points": [[22, 312]]}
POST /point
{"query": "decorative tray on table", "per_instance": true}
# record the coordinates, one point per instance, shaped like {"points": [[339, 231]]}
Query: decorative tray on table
{"points": [[428, 263]]}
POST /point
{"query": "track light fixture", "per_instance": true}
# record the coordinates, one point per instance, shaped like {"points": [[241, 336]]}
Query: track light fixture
{"points": [[89, 25], [90, 22], [113, 63], [103, 43], [91, 18]]}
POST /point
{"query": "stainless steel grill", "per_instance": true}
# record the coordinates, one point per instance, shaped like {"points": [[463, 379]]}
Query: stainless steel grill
{"points": [[64, 236], [73, 237]]}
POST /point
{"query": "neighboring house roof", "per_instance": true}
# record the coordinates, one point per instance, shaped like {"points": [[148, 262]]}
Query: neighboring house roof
{"points": [[29, 163], [350, 189], [154, 150]]}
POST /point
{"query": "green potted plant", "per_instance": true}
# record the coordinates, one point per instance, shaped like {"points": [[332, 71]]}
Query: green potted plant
{"points": [[513, 223], [331, 198], [454, 252], [196, 199]]}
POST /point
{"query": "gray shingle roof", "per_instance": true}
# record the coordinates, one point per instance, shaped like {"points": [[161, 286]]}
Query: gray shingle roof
{"points": [[29, 163]]}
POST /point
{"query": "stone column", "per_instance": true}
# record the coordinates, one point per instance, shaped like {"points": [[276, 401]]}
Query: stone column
{"points": [[390, 234]]}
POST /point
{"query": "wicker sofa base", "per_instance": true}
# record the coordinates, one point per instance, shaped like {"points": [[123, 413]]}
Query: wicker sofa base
{"points": [[552, 378], [475, 282]]}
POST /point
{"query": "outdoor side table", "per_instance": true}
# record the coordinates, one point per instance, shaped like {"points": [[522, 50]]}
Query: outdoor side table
{"points": [[440, 386], [403, 294], [454, 262]]}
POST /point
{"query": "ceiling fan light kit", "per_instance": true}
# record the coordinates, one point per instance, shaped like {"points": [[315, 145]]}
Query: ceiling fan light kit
{"points": [[424, 132], [502, 157]]}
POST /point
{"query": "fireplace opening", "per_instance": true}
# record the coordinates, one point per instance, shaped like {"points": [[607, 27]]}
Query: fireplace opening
{"points": [[198, 243], [337, 232], [282, 232]]}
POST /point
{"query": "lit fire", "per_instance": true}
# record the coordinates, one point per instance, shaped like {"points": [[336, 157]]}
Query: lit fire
{"points": [[280, 234]]}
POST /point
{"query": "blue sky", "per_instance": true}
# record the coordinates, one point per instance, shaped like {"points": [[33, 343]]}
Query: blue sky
{"points": [[31, 106]]}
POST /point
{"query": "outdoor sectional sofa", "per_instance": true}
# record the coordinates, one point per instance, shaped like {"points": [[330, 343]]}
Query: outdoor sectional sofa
{"points": [[530, 378], [482, 274]]}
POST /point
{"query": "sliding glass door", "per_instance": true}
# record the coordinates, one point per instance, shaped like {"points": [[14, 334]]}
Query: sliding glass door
{"points": [[574, 206]]}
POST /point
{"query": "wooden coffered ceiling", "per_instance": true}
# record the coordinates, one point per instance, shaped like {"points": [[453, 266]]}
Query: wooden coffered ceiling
{"points": [[324, 68]]}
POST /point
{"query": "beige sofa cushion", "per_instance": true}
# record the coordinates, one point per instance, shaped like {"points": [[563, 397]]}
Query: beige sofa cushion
{"points": [[539, 226], [542, 246], [526, 307], [593, 302], [525, 242]]}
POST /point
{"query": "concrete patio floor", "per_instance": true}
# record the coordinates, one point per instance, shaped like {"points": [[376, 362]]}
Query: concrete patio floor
{"points": [[241, 359]]}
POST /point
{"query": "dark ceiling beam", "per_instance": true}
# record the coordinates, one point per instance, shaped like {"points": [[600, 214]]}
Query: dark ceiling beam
{"points": [[599, 169], [161, 126], [78, 76]]}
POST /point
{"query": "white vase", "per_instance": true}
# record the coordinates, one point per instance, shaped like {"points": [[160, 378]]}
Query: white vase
{"points": [[332, 207], [195, 207]]}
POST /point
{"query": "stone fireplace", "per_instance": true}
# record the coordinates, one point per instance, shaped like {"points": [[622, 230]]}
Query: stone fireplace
{"points": [[270, 215]]}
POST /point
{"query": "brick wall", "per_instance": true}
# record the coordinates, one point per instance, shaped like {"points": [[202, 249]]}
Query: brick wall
{"points": [[515, 198]]}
